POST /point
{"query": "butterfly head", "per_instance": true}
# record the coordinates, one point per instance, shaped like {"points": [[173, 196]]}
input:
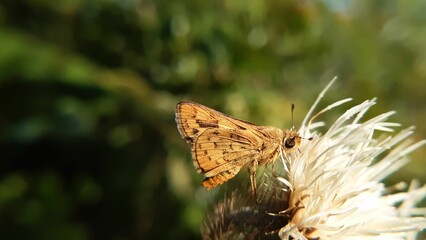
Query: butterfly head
{"points": [[291, 140]]}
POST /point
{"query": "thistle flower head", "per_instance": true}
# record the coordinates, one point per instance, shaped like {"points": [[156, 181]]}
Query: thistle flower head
{"points": [[334, 182], [332, 187]]}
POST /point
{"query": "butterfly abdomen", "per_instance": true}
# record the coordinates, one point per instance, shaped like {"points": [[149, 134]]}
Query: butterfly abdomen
{"points": [[219, 179]]}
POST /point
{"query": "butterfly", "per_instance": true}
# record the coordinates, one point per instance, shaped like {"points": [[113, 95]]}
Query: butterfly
{"points": [[221, 145]]}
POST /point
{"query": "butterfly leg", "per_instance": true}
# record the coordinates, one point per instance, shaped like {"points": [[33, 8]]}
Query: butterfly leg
{"points": [[252, 172], [273, 170]]}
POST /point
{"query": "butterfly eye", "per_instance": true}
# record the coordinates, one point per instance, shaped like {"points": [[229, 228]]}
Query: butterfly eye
{"points": [[290, 143]]}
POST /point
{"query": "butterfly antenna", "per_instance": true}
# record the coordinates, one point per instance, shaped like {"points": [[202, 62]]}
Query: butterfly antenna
{"points": [[292, 116]]}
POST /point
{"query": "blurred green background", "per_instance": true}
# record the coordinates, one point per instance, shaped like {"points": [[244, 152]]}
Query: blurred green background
{"points": [[88, 143]]}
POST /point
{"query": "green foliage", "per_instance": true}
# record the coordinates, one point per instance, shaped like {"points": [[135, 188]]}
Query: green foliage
{"points": [[89, 147]]}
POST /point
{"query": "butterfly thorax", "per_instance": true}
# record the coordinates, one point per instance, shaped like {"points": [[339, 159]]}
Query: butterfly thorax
{"points": [[270, 145]]}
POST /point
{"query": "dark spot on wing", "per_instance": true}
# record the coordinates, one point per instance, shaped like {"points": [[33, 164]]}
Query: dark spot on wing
{"points": [[194, 131], [241, 127], [235, 136], [213, 124], [189, 139]]}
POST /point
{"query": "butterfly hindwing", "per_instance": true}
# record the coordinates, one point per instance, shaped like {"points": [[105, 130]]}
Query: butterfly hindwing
{"points": [[216, 151]]}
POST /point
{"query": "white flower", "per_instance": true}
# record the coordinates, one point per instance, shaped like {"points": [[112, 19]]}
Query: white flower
{"points": [[331, 188], [334, 181]]}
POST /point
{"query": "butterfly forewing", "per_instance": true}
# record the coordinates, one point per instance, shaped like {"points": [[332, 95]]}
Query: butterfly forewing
{"points": [[193, 118]]}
